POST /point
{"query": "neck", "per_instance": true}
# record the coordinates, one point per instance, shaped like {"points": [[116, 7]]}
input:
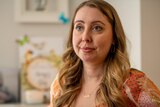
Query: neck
{"points": [[92, 76], [92, 72]]}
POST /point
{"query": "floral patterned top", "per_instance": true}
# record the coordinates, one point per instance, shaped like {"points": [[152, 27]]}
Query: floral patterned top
{"points": [[138, 90]]}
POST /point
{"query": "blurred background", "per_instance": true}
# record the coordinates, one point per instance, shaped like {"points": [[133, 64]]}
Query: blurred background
{"points": [[140, 18]]}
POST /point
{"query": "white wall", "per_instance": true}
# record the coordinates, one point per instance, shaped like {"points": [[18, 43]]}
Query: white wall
{"points": [[129, 12], [140, 19], [151, 39], [10, 31]]}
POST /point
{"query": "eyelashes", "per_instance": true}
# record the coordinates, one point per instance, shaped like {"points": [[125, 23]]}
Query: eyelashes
{"points": [[97, 28], [94, 28], [79, 28]]}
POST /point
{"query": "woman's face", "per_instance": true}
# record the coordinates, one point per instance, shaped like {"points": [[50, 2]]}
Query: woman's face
{"points": [[92, 35]]}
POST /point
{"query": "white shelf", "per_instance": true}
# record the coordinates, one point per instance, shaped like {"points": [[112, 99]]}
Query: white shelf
{"points": [[22, 105]]}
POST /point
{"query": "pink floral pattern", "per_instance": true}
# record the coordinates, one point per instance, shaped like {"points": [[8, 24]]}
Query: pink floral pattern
{"points": [[138, 90]]}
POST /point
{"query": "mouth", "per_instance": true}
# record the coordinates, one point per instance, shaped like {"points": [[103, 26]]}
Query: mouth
{"points": [[87, 49]]}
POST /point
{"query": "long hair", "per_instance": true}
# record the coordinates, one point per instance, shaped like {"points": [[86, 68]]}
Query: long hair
{"points": [[116, 63]]}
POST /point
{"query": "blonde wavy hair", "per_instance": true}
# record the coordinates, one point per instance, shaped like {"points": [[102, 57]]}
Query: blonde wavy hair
{"points": [[116, 64]]}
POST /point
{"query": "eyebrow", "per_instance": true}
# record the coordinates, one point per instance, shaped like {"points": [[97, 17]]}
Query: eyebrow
{"points": [[92, 22], [79, 21]]}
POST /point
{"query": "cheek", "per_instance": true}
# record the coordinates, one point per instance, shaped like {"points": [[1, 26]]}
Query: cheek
{"points": [[75, 42], [105, 44]]}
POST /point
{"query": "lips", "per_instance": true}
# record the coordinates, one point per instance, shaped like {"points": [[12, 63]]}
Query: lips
{"points": [[87, 49]]}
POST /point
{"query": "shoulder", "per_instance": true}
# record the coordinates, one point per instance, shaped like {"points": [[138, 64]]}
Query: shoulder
{"points": [[140, 89], [132, 84], [136, 73], [134, 77]]}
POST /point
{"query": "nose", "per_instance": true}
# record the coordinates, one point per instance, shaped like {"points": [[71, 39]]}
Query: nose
{"points": [[86, 37]]}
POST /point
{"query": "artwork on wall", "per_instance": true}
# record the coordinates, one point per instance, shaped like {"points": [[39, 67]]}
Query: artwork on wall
{"points": [[41, 11], [40, 59]]}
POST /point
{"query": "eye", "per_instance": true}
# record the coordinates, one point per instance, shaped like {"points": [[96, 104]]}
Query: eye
{"points": [[97, 28], [79, 27]]}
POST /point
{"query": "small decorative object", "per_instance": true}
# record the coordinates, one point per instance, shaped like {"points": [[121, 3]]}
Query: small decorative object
{"points": [[63, 18], [23, 41], [40, 73], [40, 59]]}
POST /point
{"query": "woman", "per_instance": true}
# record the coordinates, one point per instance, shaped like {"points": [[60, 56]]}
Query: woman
{"points": [[96, 71]]}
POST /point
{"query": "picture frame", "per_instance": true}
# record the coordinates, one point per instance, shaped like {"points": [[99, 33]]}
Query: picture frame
{"points": [[39, 63], [41, 11]]}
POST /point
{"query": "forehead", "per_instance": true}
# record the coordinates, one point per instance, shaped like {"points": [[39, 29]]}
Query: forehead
{"points": [[90, 14]]}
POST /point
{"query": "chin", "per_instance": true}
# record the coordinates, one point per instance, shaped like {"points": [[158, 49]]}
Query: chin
{"points": [[87, 59]]}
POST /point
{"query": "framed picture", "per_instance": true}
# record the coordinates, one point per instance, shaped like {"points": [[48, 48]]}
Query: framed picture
{"points": [[39, 61], [41, 11]]}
